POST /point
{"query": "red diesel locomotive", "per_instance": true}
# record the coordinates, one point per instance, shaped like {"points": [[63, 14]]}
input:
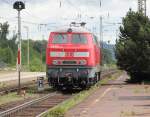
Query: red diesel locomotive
{"points": [[73, 58]]}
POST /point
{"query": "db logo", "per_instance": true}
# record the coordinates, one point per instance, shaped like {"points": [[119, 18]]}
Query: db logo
{"points": [[69, 54]]}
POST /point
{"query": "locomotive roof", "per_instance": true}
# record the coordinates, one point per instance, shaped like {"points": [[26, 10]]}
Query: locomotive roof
{"points": [[74, 29]]}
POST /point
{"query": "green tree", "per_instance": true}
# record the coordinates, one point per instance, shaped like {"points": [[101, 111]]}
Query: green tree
{"points": [[107, 56], [7, 46], [3, 34], [6, 55], [37, 55], [133, 46], [8, 51]]}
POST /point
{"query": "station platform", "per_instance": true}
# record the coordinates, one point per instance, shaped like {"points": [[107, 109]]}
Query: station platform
{"points": [[12, 76], [117, 99]]}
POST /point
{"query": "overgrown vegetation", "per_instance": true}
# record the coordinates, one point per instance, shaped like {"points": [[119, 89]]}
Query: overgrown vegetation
{"points": [[13, 97], [107, 57], [133, 46], [8, 51]]}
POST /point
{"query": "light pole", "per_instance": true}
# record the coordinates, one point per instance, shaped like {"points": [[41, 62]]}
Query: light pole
{"points": [[101, 30], [92, 28], [19, 5], [100, 24], [40, 27], [28, 45]]}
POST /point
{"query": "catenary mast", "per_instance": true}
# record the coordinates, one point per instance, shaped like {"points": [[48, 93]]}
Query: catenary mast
{"points": [[142, 6]]}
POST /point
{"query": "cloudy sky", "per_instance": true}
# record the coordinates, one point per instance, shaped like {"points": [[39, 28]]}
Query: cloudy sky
{"points": [[42, 16]]}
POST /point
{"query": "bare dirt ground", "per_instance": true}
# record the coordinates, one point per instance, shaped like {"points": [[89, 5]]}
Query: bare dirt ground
{"points": [[116, 99]]}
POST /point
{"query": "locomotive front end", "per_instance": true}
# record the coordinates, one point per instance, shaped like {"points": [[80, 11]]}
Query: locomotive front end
{"points": [[70, 59]]}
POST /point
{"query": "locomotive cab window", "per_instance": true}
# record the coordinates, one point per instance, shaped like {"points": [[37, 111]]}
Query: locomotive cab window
{"points": [[79, 39], [95, 40], [60, 39]]}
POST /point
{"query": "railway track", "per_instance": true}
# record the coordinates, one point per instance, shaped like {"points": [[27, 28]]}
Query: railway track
{"points": [[36, 107], [108, 72], [7, 90]]}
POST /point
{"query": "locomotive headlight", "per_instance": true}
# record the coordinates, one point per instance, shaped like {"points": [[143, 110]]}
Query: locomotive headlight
{"points": [[55, 62], [57, 54], [83, 62], [81, 54]]}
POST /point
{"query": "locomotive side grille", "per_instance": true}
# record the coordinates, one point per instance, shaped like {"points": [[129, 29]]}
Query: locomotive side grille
{"points": [[69, 62]]}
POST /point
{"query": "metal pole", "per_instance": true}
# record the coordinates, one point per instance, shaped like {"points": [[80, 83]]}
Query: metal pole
{"points": [[40, 27], [28, 45], [101, 30], [101, 26], [117, 34], [28, 48], [19, 52], [19, 5], [42, 52], [142, 7], [145, 8]]}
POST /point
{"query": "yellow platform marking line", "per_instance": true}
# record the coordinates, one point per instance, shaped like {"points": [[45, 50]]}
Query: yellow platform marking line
{"points": [[98, 99]]}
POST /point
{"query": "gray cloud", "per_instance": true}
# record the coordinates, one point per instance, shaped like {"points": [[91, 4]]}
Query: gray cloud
{"points": [[49, 11]]}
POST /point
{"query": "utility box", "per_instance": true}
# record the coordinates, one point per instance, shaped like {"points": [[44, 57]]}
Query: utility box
{"points": [[40, 83]]}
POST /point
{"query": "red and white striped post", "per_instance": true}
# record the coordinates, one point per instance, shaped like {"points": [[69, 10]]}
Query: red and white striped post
{"points": [[19, 5]]}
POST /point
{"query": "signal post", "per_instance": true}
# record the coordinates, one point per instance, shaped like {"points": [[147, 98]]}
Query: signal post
{"points": [[19, 5]]}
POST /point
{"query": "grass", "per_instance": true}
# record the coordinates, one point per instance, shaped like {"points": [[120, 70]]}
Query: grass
{"points": [[144, 89], [30, 93], [127, 113], [111, 77], [136, 91], [3, 85], [61, 109], [146, 82], [13, 97]]}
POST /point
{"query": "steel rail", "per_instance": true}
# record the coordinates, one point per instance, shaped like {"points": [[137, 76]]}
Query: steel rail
{"points": [[15, 88], [20, 108]]}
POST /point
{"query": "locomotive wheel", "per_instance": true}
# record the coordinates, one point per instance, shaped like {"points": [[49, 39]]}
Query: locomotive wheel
{"points": [[96, 77], [83, 87]]}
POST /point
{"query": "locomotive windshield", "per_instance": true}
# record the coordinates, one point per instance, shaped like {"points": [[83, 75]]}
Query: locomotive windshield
{"points": [[60, 39], [79, 39]]}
